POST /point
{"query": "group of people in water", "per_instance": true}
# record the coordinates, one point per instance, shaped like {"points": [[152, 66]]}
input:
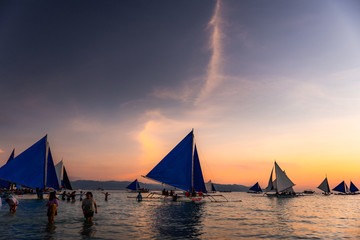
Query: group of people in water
{"points": [[88, 205], [71, 196]]}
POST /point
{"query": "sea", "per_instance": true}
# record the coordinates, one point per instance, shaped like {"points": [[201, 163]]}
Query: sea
{"points": [[244, 216]]}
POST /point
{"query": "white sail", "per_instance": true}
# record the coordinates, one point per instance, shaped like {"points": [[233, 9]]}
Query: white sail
{"points": [[59, 171], [275, 185], [324, 186], [210, 186], [282, 181], [346, 188], [270, 184]]}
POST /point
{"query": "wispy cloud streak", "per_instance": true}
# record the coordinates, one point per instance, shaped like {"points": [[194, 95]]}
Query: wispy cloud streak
{"points": [[214, 76]]}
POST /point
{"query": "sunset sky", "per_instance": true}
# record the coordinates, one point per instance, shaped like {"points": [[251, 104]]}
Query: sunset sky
{"points": [[117, 84]]}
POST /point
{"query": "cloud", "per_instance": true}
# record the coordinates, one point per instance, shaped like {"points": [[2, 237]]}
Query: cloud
{"points": [[214, 72], [186, 92], [80, 124], [156, 129], [197, 90], [1, 151]]}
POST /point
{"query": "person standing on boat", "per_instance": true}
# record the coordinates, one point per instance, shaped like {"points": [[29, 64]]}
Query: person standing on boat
{"points": [[52, 205], [193, 193], [13, 203], [187, 193], [89, 207]]}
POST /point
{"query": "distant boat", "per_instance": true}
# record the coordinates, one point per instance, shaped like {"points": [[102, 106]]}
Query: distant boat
{"points": [[181, 169], [210, 187], [342, 188], [33, 168], [282, 185], [324, 186], [309, 191], [255, 189], [135, 186]]}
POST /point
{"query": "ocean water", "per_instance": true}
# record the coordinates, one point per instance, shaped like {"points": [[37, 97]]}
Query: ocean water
{"points": [[255, 217]]}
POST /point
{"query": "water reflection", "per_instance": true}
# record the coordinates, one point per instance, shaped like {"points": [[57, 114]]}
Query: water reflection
{"points": [[282, 216], [88, 230], [177, 220], [50, 231]]}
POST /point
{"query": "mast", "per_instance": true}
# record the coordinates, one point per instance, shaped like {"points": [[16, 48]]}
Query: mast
{"points": [[192, 160], [270, 184], [276, 179], [46, 157]]}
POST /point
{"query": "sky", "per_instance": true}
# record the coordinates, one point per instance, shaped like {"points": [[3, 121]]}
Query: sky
{"points": [[117, 84]]}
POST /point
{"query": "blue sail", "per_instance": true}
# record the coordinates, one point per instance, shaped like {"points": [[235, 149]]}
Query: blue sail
{"points": [[11, 156], [353, 188], [28, 168], [341, 187], [66, 182], [199, 183], [51, 177], [134, 185], [3, 183], [176, 167], [256, 188]]}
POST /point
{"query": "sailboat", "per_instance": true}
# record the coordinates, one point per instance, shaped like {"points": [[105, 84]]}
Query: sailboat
{"points": [[135, 186], [255, 189], [33, 168], [324, 186], [210, 187], [181, 169], [342, 188], [282, 185]]}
